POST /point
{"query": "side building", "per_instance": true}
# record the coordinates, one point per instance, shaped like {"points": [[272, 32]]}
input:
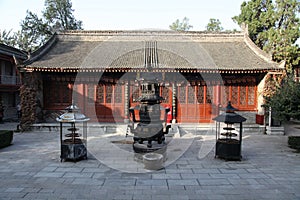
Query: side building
{"points": [[199, 72], [10, 81]]}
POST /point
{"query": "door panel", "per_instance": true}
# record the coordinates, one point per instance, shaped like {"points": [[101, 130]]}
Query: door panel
{"points": [[109, 103], [194, 104]]}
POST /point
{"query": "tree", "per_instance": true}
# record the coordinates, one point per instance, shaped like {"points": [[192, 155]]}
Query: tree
{"points": [[214, 25], [285, 100], [8, 38], [181, 26], [274, 27], [59, 15], [35, 30]]}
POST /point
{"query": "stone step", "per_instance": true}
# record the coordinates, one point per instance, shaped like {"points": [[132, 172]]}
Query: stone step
{"points": [[113, 127], [275, 130], [247, 128]]}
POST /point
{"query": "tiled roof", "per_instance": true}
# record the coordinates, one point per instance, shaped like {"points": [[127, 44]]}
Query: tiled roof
{"points": [[11, 51], [99, 50]]}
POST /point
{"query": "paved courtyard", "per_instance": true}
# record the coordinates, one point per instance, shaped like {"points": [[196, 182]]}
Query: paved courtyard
{"points": [[31, 169]]}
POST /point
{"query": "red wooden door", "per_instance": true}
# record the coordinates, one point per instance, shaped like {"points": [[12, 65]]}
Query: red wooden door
{"points": [[166, 93], [133, 97], [205, 101], [194, 104], [103, 103], [109, 104]]}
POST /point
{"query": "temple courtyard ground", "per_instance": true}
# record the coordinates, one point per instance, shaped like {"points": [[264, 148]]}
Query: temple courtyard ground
{"points": [[30, 168]]}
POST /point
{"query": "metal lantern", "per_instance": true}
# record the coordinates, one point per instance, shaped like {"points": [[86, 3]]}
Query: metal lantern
{"points": [[228, 139], [152, 123], [73, 134]]}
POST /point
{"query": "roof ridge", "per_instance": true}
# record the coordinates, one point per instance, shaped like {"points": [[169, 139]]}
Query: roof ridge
{"points": [[42, 50], [12, 51], [259, 52], [143, 32]]}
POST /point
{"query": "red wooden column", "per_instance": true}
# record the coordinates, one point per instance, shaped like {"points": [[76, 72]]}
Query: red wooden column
{"points": [[78, 96], [126, 100], [174, 104], [217, 100]]}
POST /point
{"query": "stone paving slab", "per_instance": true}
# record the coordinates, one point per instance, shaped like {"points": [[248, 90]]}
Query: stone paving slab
{"points": [[31, 169]]}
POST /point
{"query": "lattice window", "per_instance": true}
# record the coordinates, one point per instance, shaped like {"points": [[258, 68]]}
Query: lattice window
{"points": [[75, 95], [234, 94], [240, 96], [118, 94], [135, 93], [109, 93], [181, 94], [243, 95], [225, 92], [209, 94], [200, 94], [62, 95], [191, 94], [165, 94], [100, 93], [251, 95], [91, 93]]}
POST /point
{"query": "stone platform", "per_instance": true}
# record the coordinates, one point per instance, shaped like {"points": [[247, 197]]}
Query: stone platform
{"points": [[31, 169]]}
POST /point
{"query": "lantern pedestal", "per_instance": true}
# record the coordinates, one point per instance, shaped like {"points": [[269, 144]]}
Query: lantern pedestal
{"points": [[228, 139], [73, 142], [229, 149], [73, 134], [74, 152]]}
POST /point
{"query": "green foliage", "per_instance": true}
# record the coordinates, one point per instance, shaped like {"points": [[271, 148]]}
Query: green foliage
{"points": [[294, 142], [214, 25], [59, 15], [272, 84], [285, 101], [274, 26], [259, 16], [7, 37], [35, 30], [181, 26], [6, 137]]}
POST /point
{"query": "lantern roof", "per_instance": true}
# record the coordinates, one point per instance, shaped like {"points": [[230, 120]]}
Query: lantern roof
{"points": [[229, 108], [73, 114], [229, 116]]}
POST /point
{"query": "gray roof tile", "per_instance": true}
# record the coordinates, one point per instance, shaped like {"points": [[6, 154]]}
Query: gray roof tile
{"points": [[125, 49]]}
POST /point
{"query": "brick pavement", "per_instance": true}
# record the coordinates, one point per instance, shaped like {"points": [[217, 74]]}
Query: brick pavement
{"points": [[31, 169]]}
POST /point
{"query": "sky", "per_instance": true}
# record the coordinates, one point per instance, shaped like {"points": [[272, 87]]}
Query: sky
{"points": [[129, 14]]}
